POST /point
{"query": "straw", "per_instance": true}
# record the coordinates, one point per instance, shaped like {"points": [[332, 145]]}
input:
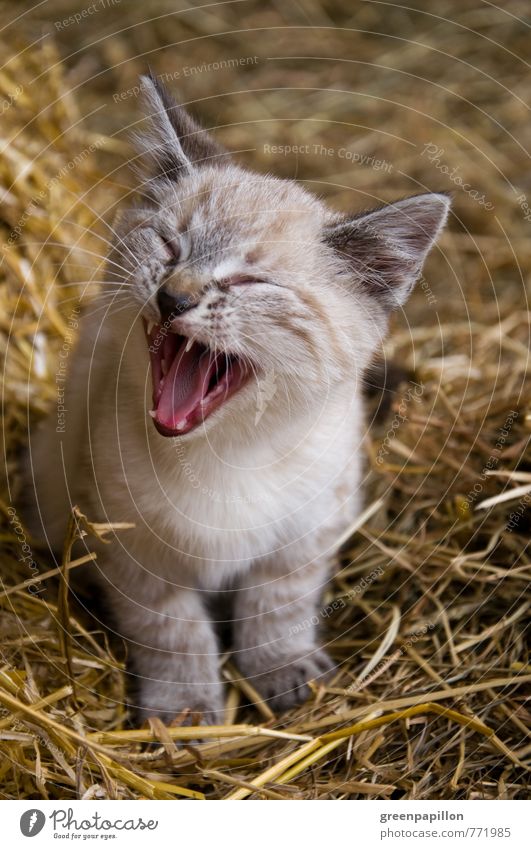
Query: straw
{"points": [[425, 615]]}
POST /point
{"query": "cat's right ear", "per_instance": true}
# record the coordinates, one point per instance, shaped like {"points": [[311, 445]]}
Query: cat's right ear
{"points": [[386, 247], [174, 143]]}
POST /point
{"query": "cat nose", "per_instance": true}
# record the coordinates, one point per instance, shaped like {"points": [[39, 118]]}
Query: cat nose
{"points": [[172, 304]]}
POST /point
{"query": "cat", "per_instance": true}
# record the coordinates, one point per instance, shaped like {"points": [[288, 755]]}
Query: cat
{"points": [[217, 405]]}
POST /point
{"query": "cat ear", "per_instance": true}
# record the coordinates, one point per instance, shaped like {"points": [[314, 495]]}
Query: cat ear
{"points": [[386, 248], [175, 143]]}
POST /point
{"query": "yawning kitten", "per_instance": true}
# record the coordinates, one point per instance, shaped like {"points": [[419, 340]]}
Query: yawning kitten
{"points": [[216, 405]]}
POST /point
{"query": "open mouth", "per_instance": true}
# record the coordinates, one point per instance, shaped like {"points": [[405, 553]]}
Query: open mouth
{"points": [[190, 382]]}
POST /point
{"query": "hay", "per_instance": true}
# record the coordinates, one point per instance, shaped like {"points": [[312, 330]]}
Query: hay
{"points": [[426, 615]]}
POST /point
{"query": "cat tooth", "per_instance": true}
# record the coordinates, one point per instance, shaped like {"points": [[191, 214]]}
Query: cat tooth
{"points": [[152, 413], [188, 345], [150, 326], [181, 425], [164, 366]]}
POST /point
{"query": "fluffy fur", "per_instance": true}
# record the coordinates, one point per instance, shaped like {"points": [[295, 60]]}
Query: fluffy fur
{"points": [[252, 500]]}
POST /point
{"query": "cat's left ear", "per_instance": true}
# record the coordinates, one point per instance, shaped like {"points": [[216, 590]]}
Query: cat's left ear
{"points": [[175, 142], [386, 248]]}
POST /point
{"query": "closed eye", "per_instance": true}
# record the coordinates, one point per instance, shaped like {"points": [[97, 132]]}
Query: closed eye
{"points": [[173, 250], [241, 280]]}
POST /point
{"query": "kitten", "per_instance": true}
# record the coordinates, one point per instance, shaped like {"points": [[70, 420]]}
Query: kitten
{"points": [[217, 405]]}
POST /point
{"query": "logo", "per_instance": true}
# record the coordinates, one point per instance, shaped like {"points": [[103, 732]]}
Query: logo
{"points": [[32, 822]]}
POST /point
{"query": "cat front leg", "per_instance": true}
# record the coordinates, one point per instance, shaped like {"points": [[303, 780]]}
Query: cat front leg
{"points": [[172, 655], [276, 630]]}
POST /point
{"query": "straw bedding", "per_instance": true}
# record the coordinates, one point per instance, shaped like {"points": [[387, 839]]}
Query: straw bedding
{"points": [[427, 611]]}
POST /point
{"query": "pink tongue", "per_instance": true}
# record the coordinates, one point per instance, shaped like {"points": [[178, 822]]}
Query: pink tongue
{"points": [[184, 386]]}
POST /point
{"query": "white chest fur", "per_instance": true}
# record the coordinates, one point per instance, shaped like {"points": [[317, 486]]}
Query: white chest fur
{"points": [[209, 508]]}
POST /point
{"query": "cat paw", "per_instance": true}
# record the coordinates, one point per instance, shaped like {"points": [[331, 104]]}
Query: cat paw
{"points": [[167, 703], [285, 684]]}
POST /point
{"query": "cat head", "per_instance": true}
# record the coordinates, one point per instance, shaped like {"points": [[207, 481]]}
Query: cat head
{"points": [[248, 286]]}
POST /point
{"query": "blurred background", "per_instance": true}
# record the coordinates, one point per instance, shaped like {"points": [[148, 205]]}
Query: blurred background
{"points": [[364, 103]]}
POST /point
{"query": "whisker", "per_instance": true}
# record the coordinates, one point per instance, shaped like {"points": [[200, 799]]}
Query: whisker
{"points": [[86, 283], [83, 250], [109, 312], [113, 231]]}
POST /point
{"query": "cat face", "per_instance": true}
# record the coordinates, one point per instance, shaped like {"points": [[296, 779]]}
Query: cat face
{"points": [[242, 279]]}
